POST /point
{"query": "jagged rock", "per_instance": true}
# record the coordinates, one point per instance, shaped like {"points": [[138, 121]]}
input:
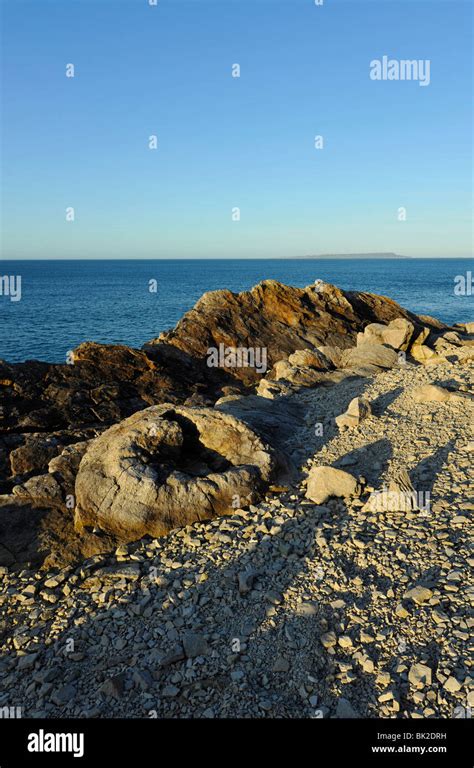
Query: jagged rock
{"points": [[166, 467], [325, 482], [446, 339], [400, 496], [280, 319], [272, 389], [420, 336], [423, 354], [300, 376], [65, 466], [368, 354], [468, 327], [52, 489], [103, 384], [333, 354], [34, 455], [41, 490], [357, 410], [310, 358], [397, 334], [304, 368]]}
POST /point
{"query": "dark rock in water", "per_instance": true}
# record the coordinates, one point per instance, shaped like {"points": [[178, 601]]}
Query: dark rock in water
{"points": [[166, 467]]}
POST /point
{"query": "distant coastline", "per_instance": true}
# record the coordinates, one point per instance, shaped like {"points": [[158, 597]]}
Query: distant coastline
{"points": [[356, 256]]}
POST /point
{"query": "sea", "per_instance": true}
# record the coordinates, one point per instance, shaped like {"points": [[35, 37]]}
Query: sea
{"points": [[63, 303]]}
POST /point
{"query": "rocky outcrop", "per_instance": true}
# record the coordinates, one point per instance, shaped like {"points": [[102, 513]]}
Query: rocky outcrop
{"points": [[101, 385], [279, 318], [166, 467]]}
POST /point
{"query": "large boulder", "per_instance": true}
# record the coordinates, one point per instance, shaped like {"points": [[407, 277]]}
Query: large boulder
{"points": [[167, 467]]}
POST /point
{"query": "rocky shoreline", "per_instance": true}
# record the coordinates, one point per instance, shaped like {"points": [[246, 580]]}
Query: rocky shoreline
{"points": [[179, 540]]}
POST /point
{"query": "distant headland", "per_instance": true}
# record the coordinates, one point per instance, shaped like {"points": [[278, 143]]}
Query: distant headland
{"points": [[356, 256]]}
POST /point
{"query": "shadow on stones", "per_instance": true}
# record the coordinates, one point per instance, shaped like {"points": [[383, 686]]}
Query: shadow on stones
{"points": [[385, 400], [424, 475], [265, 633], [370, 460]]}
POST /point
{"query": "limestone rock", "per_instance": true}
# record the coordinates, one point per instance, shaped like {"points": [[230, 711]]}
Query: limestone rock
{"points": [[279, 318], [397, 334], [300, 376], [334, 354], [418, 594], [431, 393], [326, 482], [166, 467], [370, 354], [423, 354], [420, 675], [310, 358], [358, 409], [34, 455]]}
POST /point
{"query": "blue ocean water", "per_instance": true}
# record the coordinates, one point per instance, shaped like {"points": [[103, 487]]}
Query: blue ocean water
{"points": [[64, 303]]}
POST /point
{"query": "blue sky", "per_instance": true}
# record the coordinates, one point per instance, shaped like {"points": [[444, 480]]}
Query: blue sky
{"points": [[227, 142]]}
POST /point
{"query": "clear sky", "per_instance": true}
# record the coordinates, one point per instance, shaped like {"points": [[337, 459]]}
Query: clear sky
{"points": [[226, 142]]}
